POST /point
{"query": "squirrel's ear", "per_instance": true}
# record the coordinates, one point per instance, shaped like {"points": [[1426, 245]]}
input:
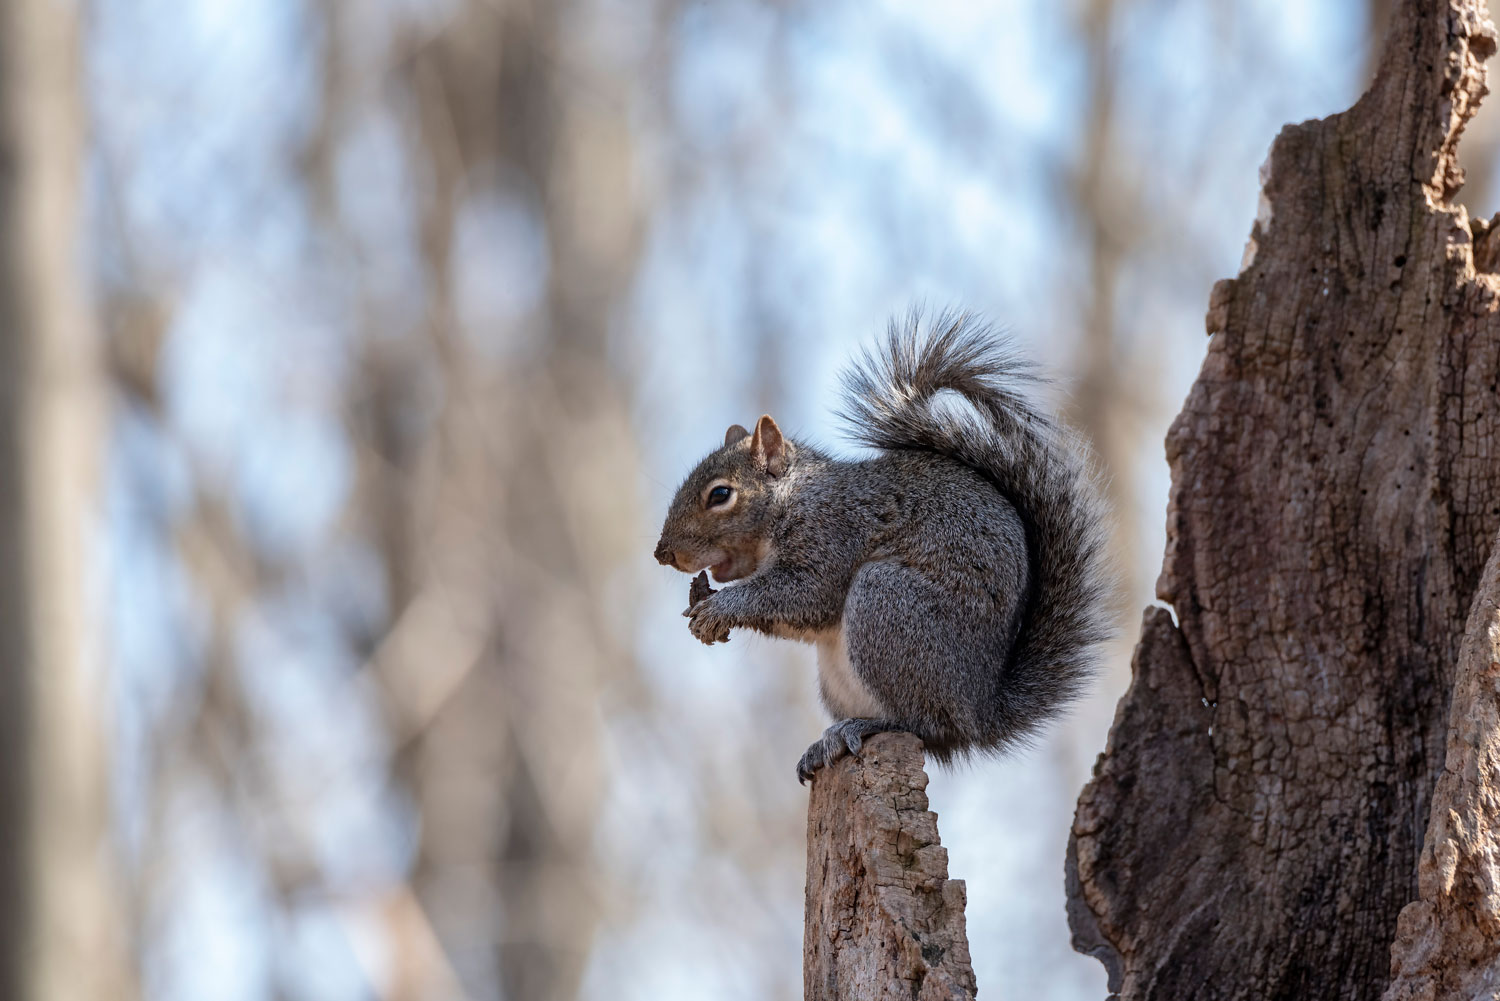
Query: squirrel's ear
{"points": [[734, 434], [768, 446]]}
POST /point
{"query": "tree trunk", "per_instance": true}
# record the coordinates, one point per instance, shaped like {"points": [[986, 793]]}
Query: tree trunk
{"points": [[1254, 826], [57, 935], [1448, 941], [883, 918]]}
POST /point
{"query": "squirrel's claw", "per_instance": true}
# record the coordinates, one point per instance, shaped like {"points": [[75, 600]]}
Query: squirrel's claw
{"points": [[824, 751], [847, 736], [812, 760]]}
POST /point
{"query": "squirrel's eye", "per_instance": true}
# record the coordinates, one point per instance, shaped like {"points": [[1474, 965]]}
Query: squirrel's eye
{"points": [[719, 495]]}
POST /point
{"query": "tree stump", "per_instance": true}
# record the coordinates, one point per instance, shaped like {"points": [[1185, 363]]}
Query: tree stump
{"points": [[883, 919], [1254, 827]]}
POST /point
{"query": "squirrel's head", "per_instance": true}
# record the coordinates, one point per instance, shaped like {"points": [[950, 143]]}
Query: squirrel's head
{"points": [[722, 516]]}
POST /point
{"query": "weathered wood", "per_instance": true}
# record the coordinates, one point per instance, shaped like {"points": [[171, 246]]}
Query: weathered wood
{"points": [[1253, 828], [1448, 941], [883, 919]]}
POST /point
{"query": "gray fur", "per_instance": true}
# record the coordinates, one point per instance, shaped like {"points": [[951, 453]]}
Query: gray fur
{"points": [[954, 582]]}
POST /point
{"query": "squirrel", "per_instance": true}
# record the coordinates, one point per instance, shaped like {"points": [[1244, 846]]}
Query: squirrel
{"points": [[955, 583]]}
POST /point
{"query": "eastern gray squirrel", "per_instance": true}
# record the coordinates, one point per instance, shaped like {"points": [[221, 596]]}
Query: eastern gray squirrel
{"points": [[955, 583]]}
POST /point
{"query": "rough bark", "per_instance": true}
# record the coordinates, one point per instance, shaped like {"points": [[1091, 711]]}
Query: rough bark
{"points": [[883, 918], [1448, 941], [1253, 827], [56, 929]]}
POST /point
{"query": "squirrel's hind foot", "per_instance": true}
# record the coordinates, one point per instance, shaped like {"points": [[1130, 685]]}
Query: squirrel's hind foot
{"points": [[846, 736]]}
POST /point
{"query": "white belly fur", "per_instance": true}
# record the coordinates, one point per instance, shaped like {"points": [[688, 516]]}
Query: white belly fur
{"points": [[844, 695]]}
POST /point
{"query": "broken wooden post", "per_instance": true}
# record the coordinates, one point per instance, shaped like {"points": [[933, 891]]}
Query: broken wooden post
{"points": [[883, 920]]}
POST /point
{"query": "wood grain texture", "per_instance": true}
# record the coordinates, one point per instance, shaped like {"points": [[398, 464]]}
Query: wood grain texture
{"points": [[883, 918], [1254, 825]]}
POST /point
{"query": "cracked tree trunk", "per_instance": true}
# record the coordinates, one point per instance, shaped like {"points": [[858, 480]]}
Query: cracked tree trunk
{"points": [[1254, 827], [883, 919]]}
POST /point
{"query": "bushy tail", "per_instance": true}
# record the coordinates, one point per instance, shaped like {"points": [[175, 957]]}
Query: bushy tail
{"points": [[892, 402]]}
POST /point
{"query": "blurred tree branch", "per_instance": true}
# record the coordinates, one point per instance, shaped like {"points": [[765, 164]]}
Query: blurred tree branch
{"points": [[59, 923]]}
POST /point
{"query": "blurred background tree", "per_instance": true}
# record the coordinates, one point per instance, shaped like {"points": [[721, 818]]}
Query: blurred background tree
{"points": [[406, 316]]}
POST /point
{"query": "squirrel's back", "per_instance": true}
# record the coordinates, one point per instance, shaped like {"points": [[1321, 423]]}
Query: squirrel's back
{"points": [[895, 402]]}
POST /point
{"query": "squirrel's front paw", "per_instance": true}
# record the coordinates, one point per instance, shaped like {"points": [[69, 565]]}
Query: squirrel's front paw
{"points": [[707, 622]]}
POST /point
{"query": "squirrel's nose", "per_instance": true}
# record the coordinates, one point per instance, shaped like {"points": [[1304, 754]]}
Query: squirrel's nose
{"points": [[665, 556]]}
